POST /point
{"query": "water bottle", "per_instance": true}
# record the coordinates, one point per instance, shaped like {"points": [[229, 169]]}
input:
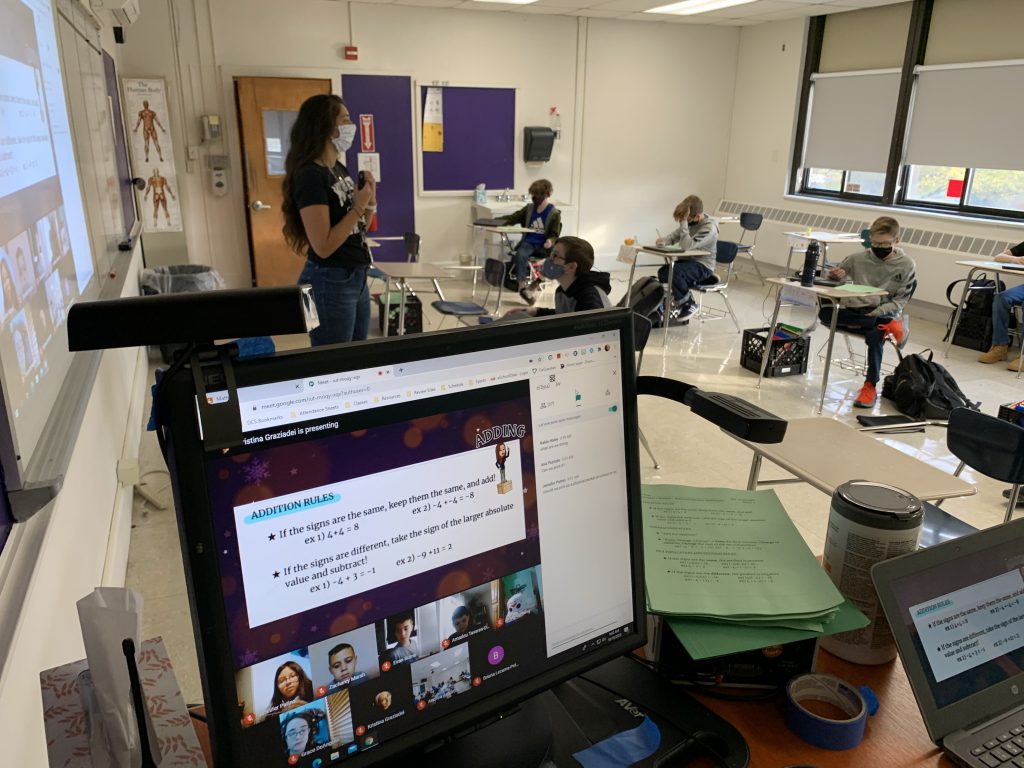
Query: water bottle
{"points": [[810, 263]]}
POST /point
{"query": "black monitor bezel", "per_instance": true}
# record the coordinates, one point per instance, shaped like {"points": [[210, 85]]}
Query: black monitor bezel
{"points": [[185, 458]]}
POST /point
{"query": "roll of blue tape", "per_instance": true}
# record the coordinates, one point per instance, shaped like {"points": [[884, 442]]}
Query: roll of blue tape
{"points": [[820, 731]]}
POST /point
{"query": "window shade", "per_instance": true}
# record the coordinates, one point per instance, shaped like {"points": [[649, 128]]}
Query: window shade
{"points": [[968, 116], [852, 117]]}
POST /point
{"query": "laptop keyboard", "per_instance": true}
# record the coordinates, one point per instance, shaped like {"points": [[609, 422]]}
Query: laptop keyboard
{"points": [[1002, 749]]}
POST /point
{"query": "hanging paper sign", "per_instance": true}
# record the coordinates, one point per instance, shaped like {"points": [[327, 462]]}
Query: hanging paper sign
{"points": [[433, 121], [366, 135]]}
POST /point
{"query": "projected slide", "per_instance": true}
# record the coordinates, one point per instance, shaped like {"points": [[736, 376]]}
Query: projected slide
{"points": [[45, 261]]}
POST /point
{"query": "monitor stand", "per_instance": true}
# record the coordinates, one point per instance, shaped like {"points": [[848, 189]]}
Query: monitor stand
{"points": [[549, 728]]}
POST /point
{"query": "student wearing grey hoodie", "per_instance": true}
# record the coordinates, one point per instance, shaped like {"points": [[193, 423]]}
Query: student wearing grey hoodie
{"points": [[883, 266], [696, 232]]}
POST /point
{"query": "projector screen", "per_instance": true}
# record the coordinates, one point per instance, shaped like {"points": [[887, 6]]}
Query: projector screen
{"points": [[45, 258]]}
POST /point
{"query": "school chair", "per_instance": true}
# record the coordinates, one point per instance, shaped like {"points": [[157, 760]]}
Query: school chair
{"points": [[750, 223], [994, 447], [494, 272], [641, 333], [724, 257], [857, 362]]}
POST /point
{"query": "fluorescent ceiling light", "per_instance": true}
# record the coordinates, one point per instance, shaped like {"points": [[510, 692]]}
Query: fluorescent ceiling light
{"points": [[507, 2], [690, 7]]}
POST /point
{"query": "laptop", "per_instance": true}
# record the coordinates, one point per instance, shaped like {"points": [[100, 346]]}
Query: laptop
{"points": [[957, 615], [663, 248]]}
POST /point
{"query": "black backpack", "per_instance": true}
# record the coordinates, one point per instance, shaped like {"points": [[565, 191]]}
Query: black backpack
{"points": [[644, 298], [923, 389], [974, 331]]}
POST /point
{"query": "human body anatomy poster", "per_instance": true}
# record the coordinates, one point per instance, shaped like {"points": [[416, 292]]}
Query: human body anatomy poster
{"points": [[147, 119]]}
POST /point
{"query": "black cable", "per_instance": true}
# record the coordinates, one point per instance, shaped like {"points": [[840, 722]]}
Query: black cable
{"points": [[681, 677], [177, 365], [196, 716]]}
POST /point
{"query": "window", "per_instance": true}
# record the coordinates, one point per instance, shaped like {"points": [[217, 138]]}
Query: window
{"points": [[935, 184], [996, 190], [897, 125]]}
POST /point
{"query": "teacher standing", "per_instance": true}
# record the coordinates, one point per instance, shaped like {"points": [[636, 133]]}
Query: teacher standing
{"points": [[326, 215]]}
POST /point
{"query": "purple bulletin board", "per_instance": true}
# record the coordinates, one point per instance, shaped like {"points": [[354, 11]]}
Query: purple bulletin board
{"points": [[479, 140], [389, 99]]}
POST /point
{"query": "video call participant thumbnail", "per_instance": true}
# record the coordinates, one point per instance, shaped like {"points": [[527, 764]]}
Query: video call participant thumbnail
{"points": [[408, 636], [376, 704], [344, 660]]}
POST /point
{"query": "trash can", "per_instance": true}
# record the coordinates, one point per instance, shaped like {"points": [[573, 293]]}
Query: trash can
{"points": [[178, 278]]}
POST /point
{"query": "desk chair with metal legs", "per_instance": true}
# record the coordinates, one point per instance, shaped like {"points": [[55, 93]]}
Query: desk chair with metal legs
{"points": [[750, 222], [992, 446], [641, 333], [858, 362], [725, 256], [494, 272]]}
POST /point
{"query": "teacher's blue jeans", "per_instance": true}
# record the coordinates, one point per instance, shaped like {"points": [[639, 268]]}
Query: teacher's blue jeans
{"points": [[1002, 304], [849, 320], [342, 303]]}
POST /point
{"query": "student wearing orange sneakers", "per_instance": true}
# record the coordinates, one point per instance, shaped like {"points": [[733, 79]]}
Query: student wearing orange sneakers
{"points": [[883, 266]]}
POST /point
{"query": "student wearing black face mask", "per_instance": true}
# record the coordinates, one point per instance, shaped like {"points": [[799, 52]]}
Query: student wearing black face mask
{"points": [[580, 286], [884, 266], [545, 220]]}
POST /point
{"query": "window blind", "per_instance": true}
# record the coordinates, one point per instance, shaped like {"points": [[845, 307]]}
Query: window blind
{"points": [[851, 120]]}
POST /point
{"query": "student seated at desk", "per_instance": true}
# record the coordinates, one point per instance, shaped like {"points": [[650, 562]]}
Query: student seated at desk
{"points": [[1001, 306], [580, 286], [883, 266], [698, 232], [546, 222]]}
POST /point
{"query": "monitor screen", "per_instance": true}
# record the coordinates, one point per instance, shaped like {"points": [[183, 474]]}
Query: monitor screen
{"points": [[411, 535]]}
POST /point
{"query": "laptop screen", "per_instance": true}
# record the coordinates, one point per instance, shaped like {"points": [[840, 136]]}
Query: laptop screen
{"points": [[965, 618], [412, 532]]}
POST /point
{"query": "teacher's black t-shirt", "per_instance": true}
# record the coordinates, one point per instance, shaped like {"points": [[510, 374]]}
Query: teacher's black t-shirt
{"points": [[318, 185]]}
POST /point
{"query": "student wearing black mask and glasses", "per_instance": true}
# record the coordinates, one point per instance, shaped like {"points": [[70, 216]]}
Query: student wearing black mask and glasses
{"points": [[883, 266]]}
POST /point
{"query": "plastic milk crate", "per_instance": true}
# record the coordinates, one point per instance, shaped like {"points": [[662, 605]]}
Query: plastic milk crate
{"points": [[787, 357], [413, 313], [1013, 412]]}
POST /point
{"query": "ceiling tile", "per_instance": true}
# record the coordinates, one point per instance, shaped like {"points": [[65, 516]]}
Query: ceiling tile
{"points": [[574, 5], [428, 3], [595, 13], [626, 5], [537, 8]]}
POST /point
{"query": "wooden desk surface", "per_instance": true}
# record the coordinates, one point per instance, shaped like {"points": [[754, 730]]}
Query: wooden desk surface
{"points": [[403, 269], [826, 453], [895, 736]]}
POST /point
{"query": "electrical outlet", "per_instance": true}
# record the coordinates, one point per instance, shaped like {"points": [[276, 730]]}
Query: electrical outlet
{"points": [[193, 153]]}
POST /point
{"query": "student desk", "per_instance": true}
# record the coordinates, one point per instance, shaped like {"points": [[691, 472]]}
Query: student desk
{"points": [[669, 259], [973, 267], [826, 453], [402, 271], [818, 293], [850, 238]]}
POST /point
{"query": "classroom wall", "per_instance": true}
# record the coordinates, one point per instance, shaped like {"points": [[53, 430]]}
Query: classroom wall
{"points": [[605, 77], [764, 114]]}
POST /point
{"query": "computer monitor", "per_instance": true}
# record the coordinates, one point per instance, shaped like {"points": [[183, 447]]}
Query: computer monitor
{"points": [[413, 536]]}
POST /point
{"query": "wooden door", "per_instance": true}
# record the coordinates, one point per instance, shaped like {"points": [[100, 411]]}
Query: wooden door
{"points": [[267, 107]]}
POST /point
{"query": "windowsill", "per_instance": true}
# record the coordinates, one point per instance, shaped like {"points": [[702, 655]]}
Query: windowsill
{"points": [[906, 209]]}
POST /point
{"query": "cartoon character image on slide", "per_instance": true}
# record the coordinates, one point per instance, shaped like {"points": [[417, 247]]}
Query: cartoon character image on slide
{"points": [[500, 457]]}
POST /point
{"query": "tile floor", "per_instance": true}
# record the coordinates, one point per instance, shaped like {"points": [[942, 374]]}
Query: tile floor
{"points": [[690, 450]]}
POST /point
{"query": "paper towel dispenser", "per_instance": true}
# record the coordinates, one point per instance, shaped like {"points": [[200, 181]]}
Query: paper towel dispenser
{"points": [[537, 143]]}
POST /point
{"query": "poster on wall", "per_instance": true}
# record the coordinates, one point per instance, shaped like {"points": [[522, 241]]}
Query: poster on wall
{"points": [[433, 121], [147, 118]]}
